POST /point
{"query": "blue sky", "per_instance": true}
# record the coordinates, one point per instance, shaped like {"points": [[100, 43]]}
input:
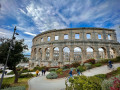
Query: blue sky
{"points": [[35, 16]]}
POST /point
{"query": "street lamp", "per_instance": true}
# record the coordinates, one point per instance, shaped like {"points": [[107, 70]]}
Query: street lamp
{"points": [[11, 47]]}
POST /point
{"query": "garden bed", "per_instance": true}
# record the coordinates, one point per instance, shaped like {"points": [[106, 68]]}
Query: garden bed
{"points": [[66, 73]]}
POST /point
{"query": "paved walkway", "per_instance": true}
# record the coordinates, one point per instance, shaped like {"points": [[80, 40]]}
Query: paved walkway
{"points": [[41, 83]]}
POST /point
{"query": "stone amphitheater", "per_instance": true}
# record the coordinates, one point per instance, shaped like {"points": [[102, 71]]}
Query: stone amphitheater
{"points": [[65, 46]]}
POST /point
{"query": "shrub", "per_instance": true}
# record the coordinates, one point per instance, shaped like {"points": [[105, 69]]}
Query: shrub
{"points": [[59, 71], [116, 84], [81, 68], [5, 85], [53, 69], [15, 88], [106, 84], [118, 68], [52, 75], [102, 76], [118, 58], [66, 66], [84, 83], [26, 75], [87, 65], [97, 64], [38, 68], [90, 61], [75, 64], [65, 69]]}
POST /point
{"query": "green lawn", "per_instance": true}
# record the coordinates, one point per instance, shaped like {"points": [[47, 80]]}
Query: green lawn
{"points": [[21, 82]]}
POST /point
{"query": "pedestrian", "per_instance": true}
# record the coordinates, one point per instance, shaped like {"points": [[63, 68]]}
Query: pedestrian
{"points": [[37, 72], [42, 71], [70, 73], [78, 71], [110, 64]]}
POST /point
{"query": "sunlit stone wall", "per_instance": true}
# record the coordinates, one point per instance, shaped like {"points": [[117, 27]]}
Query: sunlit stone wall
{"points": [[64, 46]]}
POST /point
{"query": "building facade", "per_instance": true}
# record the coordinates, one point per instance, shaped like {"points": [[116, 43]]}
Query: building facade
{"points": [[64, 46]]}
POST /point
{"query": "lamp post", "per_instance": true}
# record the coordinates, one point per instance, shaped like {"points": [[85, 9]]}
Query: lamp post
{"points": [[11, 44]]}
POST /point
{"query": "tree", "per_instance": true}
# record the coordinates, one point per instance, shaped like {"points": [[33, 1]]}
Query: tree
{"points": [[15, 56]]}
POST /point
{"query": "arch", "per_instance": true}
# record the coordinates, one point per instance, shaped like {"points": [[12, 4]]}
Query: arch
{"points": [[47, 54], [56, 54], [66, 54], [112, 53], [101, 53], [77, 54], [89, 52]]}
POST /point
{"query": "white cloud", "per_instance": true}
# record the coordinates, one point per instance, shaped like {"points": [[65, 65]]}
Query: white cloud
{"points": [[30, 33]]}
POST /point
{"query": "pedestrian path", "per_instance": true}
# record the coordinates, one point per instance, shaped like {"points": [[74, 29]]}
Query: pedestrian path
{"points": [[41, 83]]}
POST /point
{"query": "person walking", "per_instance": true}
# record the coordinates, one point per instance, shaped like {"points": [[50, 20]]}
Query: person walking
{"points": [[37, 72], [42, 71], [70, 73], [78, 71], [110, 64]]}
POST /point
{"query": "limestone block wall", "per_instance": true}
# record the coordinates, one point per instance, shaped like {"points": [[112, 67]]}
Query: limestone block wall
{"points": [[44, 44]]}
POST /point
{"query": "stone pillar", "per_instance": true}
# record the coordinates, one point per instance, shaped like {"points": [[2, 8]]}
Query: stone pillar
{"points": [[71, 54], [96, 53], [107, 52], [43, 54], [60, 54], [51, 54], [84, 54]]}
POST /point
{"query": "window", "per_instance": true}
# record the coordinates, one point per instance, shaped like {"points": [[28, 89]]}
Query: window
{"points": [[41, 39], [88, 36], [77, 36], [48, 39], [56, 37], [66, 36], [99, 36], [109, 37]]}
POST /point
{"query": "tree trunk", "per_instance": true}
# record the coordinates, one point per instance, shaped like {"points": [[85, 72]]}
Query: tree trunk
{"points": [[16, 75]]}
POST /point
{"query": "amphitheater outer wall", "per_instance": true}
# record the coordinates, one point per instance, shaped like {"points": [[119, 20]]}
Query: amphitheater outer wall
{"points": [[107, 41]]}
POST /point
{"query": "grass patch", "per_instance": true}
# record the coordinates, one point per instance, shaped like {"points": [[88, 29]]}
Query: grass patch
{"points": [[21, 82]]}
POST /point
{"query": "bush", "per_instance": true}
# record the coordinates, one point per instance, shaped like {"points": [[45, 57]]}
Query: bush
{"points": [[66, 66], [75, 64], [106, 84], [65, 69], [90, 61], [87, 65], [52, 75], [59, 71], [102, 76], [5, 85], [26, 75], [53, 69], [118, 68], [81, 68], [97, 64], [84, 83], [38, 68], [15, 88]]}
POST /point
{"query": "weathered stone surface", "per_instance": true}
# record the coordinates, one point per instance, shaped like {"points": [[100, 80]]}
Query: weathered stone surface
{"points": [[40, 43]]}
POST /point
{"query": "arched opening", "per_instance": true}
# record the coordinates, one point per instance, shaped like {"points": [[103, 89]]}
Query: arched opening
{"points": [[112, 53], [77, 54], [56, 54], [89, 52], [47, 53], [66, 54], [101, 53]]}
